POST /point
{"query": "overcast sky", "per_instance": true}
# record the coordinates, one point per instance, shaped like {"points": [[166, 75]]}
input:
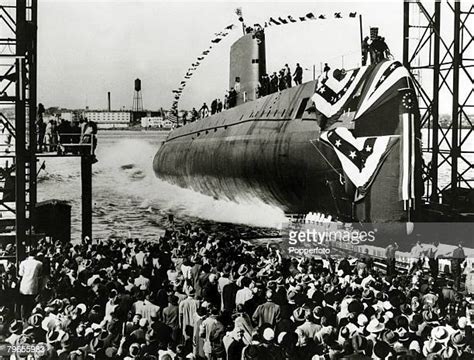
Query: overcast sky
{"points": [[87, 48]]}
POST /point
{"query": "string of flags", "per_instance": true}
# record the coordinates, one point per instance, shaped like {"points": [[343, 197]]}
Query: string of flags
{"points": [[189, 73], [219, 36], [308, 17]]}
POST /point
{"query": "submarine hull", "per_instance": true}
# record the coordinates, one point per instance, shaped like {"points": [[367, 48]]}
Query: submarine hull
{"points": [[277, 149]]}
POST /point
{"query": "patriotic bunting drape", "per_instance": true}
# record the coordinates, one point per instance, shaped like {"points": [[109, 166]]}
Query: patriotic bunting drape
{"points": [[368, 93], [360, 157]]}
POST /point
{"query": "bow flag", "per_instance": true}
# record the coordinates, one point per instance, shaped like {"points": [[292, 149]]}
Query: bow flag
{"points": [[408, 146], [361, 157], [387, 74], [332, 94]]}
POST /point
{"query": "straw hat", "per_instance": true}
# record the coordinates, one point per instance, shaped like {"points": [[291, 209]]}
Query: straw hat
{"points": [[432, 347], [16, 327], [268, 334], [82, 308], [362, 320], [440, 334], [243, 270], [375, 326], [458, 339], [390, 337], [35, 320], [300, 313]]}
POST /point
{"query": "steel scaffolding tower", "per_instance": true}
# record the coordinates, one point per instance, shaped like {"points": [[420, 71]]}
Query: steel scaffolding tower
{"points": [[18, 71], [439, 51], [18, 24]]}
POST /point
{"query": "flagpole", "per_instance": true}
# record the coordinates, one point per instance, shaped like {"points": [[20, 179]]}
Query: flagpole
{"points": [[361, 38]]}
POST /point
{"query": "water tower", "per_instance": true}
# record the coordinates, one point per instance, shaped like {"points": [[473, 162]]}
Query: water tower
{"points": [[137, 97]]}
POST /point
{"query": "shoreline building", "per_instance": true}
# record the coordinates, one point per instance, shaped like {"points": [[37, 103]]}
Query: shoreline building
{"points": [[109, 119], [156, 122]]}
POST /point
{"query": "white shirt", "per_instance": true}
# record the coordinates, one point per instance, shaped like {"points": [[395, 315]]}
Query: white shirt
{"points": [[30, 272], [243, 295], [142, 282]]}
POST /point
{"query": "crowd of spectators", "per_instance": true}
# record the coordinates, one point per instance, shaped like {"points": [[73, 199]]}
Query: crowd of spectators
{"points": [[204, 295], [376, 48], [278, 82], [266, 86], [60, 135]]}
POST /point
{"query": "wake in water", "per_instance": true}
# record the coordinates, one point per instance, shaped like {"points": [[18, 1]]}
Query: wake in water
{"points": [[127, 167]]}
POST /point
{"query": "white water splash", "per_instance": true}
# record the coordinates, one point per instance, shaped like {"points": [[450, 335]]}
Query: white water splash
{"points": [[127, 167]]}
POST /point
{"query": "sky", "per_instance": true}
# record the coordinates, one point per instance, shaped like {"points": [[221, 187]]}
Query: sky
{"points": [[87, 48]]}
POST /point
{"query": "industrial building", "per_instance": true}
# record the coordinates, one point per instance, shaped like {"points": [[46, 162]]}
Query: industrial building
{"points": [[109, 119], [156, 122]]}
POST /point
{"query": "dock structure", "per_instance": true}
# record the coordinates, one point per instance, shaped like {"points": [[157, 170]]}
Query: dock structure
{"points": [[18, 85]]}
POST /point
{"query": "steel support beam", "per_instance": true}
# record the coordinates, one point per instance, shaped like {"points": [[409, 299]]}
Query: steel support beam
{"points": [[32, 68], [86, 199], [20, 131], [434, 196], [456, 115]]}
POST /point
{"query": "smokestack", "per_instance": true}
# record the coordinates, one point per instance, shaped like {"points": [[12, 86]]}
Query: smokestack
{"points": [[108, 97]]}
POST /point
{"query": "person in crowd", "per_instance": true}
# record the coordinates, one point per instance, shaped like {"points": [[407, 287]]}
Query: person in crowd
{"points": [[185, 117], [433, 261], [75, 137], [64, 136], [232, 98], [325, 75], [298, 74], [89, 136], [31, 272], [390, 256], [49, 136], [194, 115], [281, 80], [365, 50], [417, 256], [287, 76], [458, 260], [273, 83], [326, 69], [219, 105], [204, 111], [226, 101], [213, 106], [40, 127]]}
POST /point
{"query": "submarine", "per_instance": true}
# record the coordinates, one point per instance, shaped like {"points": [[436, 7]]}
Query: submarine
{"points": [[347, 144]]}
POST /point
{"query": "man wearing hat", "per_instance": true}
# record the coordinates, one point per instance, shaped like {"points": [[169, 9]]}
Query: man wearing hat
{"points": [[244, 294], [30, 271], [432, 347], [15, 329], [187, 313], [458, 260], [268, 312]]}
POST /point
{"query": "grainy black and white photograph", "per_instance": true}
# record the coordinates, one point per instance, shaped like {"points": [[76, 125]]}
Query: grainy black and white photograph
{"points": [[236, 180]]}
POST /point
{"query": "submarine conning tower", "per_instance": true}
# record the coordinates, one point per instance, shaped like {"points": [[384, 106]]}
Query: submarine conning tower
{"points": [[247, 65]]}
